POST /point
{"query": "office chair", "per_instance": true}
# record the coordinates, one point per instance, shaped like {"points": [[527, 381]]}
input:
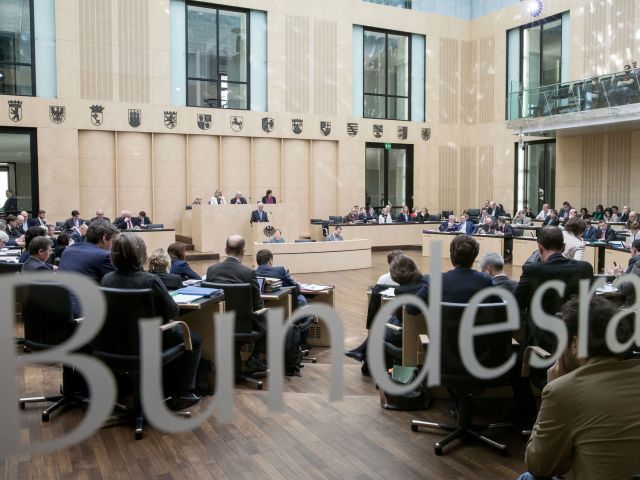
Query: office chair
{"points": [[152, 226], [59, 225], [492, 350], [335, 219], [237, 298], [446, 213], [10, 267], [48, 321], [118, 344]]}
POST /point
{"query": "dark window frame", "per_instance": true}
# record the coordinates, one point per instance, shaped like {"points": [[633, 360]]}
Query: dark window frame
{"points": [[409, 165], [526, 171], [33, 145], [386, 95], [33, 57], [218, 82]]}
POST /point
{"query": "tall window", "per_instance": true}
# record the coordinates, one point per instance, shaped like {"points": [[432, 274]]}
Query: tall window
{"points": [[217, 52], [535, 174], [387, 82], [392, 3], [16, 48]]}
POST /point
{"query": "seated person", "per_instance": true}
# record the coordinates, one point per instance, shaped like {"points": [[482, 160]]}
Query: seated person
{"points": [[179, 265], [39, 221], [62, 242], [352, 216], [39, 253], [487, 227], [371, 216], [385, 216], [449, 225], [404, 216], [385, 278], [80, 235], [599, 213], [465, 226], [277, 238], [100, 216], [552, 220], [159, 264], [128, 255], [32, 233], [259, 215], [218, 198], [604, 233], [238, 199], [522, 219], [336, 235], [503, 229], [264, 259], [269, 198], [124, 221], [197, 200], [423, 215], [12, 227], [142, 220], [4, 238], [492, 264], [74, 222]]}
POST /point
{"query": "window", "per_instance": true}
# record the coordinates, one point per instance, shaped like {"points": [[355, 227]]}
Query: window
{"points": [[386, 75], [392, 3], [16, 48], [389, 175], [19, 166], [535, 175], [217, 52]]}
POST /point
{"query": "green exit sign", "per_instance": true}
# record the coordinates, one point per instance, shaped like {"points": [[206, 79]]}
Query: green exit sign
{"points": [[387, 146]]}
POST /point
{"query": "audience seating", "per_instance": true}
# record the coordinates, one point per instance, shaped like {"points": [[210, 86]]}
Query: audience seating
{"points": [[491, 350], [118, 344], [237, 298]]}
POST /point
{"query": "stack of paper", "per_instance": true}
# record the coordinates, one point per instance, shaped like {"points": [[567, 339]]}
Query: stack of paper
{"points": [[313, 288], [181, 298]]}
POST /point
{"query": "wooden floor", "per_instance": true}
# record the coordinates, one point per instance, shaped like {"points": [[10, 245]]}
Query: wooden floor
{"points": [[313, 438]]}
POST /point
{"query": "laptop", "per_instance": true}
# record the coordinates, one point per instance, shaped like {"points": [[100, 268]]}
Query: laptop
{"points": [[261, 282]]}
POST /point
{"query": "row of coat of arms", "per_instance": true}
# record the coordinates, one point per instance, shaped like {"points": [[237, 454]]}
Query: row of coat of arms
{"points": [[58, 114]]}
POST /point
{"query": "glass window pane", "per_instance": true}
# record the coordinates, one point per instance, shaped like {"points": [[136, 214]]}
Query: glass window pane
{"points": [[398, 65], [202, 94], [397, 177], [15, 158], [374, 62], [374, 176], [233, 95], [551, 52], [531, 58], [15, 31], [398, 108], [16, 80], [233, 45], [202, 48], [374, 106]]}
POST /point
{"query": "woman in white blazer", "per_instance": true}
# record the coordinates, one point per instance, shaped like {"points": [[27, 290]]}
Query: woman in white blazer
{"points": [[573, 245], [385, 216], [217, 199]]}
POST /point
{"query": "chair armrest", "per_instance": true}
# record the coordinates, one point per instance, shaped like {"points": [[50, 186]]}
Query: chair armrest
{"points": [[391, 326], [186, 333], [261, 311], [423, 338], [78, 320], [526, 358]]}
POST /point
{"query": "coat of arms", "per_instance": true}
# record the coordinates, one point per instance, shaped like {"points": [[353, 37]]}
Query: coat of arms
{"points": [[204, 121], [57, 113], [325, 128], [134, 117], [96, 114], [170, 118], [236, 123], [296, 125], [377, 131], [425, 133], [267, 124], [402, 133], [352, 129], [15, 110]]}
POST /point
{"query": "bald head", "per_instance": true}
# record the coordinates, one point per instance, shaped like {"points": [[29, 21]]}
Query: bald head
{"points": [[235, 246]]}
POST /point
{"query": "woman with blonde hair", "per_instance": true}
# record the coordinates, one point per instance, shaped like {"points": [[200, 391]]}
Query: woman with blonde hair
{"points": [[159, 264]]}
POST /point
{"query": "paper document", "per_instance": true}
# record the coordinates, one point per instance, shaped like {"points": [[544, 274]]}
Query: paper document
{"points": [[191, 281], [389, 292], [313, 288], [181, 298]]}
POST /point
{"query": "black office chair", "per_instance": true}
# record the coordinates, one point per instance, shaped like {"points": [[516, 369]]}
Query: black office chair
{"points": [[152, 226], [237, 298], [59, 225], [492, 350], [118, 344], [48, 321], [10, 267], [335, 219], [433, 218], [446, 213]]}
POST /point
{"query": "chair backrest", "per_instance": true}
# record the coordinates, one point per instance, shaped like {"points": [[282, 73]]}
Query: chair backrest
{"points": [[335, 219], [446, 213], [316, 221], [433, 218], [59, 224], [303, 240], [155, 225], [473, 212], [10, 267], [119, 334], [491, 350], [47, 314], [237, 298]]}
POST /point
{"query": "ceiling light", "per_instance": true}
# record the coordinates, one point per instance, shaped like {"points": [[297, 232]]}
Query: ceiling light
{"points": [[534, 7]]}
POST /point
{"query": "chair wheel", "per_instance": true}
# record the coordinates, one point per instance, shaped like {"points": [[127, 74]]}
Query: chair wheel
{"points": [[45, 417], [438, 450], [414, 428]]}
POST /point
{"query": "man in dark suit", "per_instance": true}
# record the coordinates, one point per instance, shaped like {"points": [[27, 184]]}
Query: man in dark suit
{"points": [[238, 199], [39, 221], [100, 216], [553, 266], [449, 225], [485, 227], [264, 259], [259, 215], [11, 204], [142, 220], [466, 226], [232, 271], [604, 233], [12, 227], [552, 220], [493, 264], [591, 232], [39, 253], [564, 211], [74, 222], [124, 221]]}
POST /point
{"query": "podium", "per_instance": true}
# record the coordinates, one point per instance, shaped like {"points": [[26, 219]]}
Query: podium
{"points": [[263, 231], [211, 225]]}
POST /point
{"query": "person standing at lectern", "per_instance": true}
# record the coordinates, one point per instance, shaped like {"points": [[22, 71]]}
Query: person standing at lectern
{"points": [[259, 215], [268, 198]]}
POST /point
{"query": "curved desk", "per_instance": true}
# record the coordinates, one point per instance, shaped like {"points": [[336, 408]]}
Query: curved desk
{"points": [[384, 235], [155, 238], [488, 243], [312, 257]]}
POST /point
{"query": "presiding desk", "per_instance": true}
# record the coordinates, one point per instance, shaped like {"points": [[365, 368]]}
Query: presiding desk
{"points": [[211, 225], [311, 257], [488, 243], [381, 235]]}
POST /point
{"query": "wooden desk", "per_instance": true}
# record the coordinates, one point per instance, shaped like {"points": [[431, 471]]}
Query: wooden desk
{"points": [[444, 237], [412, 327], [279, 298], [312, 257], [155, 238], [318, 333], [490, 243], [523, 247], [185, 223], [617, 226], [621, 257], [384, 235]]}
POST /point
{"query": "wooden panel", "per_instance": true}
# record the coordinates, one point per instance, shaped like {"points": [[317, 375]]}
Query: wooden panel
{"points": [[134, 175], [97, 172], [267, 171], [133, 50], [618, 184], [296, 179], [155, 239], [296, 64], [468, 178], [449, 86], [325, 67], [324, 178], [485, 174], [169, 178], [204, 166], [468, 84], [592, 170], [448, 178], [95, 24], [236, 167], [486, 79]]}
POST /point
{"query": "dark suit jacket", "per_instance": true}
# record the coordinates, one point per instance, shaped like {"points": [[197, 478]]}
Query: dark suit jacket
{"points": [[13, 232], [35, 222], [88, 259], [505, 282], [264, 200], [507, 230], [170, 280], [444, 227], [182, 268], [609, 234], [121, 224], [557, 267], [106, 219], [10, 206], [33, 264], [483, 227], [255, 216], [551, 222], [243, 200], [458, 285], [277, 272], [232, 271], [369, 218], [590, 234], [403, 217], [68, 223], [469, 227], [136, 221]]}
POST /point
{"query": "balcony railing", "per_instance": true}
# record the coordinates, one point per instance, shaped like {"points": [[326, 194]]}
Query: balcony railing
{"points": [[606, 91]]}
